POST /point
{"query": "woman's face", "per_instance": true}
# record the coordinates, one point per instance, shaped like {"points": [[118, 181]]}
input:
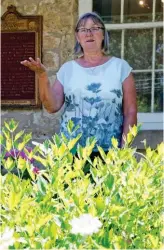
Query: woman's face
{"points": [[90, 36]]}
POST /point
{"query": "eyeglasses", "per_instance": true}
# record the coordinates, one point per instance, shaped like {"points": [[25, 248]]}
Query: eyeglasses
{"points": [[93, 30]]}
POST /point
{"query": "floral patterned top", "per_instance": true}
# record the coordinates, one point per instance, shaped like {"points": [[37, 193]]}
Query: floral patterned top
{"points": [[93, 99]]}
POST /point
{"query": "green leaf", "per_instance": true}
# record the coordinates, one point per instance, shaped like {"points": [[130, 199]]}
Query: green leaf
{"points": [[57, 140], [76, 128], [48, 244], [92, 210], [6, 133], [27, 137], [21, 164], [7, 126], [76, 199], [100, 204], [129, 138], [42, 183], [40, 159], [9, 164], [134, 130], [114, 142], [79, 151], [14, 199], [31, 173], [43, 219], [91, 141], [30, 228], [102, 153], [46, 144], [109, 181], [18, 135], [13, 125], [8, 144], [72, 142], [62, 149], [64, 138], [53, 230], [154, 240], [21, 145], [160, 148], [70, 126], [2, 139], [106, 239]]}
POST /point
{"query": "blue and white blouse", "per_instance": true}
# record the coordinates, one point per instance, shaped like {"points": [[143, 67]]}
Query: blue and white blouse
{"points": [[93, 99]]}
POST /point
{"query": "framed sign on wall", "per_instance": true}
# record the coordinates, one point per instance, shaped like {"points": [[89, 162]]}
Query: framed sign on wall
{"points": [[21, 38]]}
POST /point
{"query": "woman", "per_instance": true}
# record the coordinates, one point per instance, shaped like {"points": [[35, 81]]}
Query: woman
{"points": [[98, 90]]}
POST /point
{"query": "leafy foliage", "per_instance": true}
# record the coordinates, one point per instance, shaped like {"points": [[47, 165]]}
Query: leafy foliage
{"points": [[124, 194]]}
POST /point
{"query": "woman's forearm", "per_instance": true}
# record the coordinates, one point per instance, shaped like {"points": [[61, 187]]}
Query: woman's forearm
{"points": [[47, 94]]}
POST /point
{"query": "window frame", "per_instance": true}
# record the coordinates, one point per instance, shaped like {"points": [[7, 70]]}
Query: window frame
{"points": [[152, 120]]}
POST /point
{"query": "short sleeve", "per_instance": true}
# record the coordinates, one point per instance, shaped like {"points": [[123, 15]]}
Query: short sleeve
{"points": [[125, 70], [60, 75]]}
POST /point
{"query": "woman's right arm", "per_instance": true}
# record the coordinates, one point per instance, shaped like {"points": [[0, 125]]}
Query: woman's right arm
{"points": [[52, 97]]}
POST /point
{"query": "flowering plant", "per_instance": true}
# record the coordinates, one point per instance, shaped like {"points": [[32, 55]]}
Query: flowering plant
{"points": [[86, 224], [116, 205]]}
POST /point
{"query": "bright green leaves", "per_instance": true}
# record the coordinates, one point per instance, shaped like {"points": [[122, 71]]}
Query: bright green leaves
{"points": [[73, 142], [12, 145], [41, 183], [8, 144], [26, 139], [43, 219], [31, 173], [14, 199], [100, 204], [109, 181], [154, 240], [18, 135], [6, 133], [114, 142], [9, 164], [11, 125], [160, 149], [71, 127], [21, 164], [133, 131], [102, 153], [123, 192]]}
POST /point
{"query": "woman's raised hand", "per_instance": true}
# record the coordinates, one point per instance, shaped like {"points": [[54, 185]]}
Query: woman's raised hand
{"points": [[35, 66]]}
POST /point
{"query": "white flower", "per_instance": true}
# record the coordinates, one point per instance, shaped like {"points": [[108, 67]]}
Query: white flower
{"points": [[6, 239], [85, 225]]}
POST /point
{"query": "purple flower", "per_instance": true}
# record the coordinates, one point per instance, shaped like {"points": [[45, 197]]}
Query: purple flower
{"points": [[35, 170], [15, 153]]}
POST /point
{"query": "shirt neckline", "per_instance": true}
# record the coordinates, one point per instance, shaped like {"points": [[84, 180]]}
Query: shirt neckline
{"points": [[110, 59]]}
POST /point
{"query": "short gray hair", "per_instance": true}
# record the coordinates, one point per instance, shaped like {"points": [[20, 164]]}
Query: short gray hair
{"points": [[96, 19]]}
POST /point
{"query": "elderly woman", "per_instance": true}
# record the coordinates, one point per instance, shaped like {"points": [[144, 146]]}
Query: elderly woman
{"points": [[98, 90]]}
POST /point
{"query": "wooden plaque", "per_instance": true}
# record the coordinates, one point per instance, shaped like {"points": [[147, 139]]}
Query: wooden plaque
{"points": [[21, 38]]}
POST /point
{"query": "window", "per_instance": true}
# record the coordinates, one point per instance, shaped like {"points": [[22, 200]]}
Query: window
{"points": [[136, 35]]}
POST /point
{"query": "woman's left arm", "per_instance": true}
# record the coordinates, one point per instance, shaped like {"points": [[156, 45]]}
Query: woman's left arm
{"points": [[129, 104]]}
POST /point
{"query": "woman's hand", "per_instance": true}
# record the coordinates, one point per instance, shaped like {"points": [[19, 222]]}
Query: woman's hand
{"points": [[35, 66]]}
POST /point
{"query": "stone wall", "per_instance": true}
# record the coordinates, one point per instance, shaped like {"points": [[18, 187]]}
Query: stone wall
{"points": [[59, 18]]}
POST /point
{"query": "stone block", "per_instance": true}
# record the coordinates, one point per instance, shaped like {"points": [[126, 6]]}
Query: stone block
{"points": [[51, 60]]}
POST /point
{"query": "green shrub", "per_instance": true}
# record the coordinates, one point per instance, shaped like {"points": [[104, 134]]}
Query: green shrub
{"points": [[117, 205]]}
